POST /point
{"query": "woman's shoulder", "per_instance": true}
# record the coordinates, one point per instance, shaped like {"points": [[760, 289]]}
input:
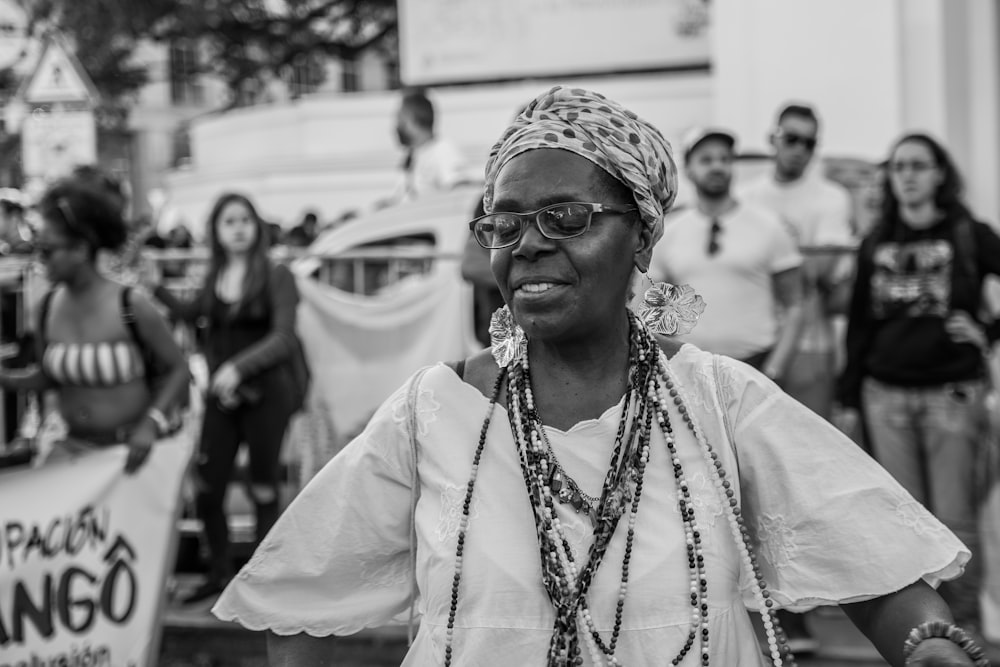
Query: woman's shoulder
{"points": [[479, 370]]}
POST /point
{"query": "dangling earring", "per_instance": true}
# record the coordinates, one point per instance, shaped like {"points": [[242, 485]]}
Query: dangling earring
{"points": [[671, 310], [506, 337]]}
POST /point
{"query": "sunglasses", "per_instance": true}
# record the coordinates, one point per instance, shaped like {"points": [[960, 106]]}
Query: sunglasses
{"points": [[713, 237], [557, 222], [792, 140]]}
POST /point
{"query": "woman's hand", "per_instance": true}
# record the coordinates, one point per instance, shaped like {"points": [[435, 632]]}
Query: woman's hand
{"points": [[963, 329], [140, 444], [938, 652], [225, 382]]}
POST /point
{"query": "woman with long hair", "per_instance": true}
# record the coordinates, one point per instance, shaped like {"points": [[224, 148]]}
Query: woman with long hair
{"points": [[117, 372], [247, 308], [916, 343]]}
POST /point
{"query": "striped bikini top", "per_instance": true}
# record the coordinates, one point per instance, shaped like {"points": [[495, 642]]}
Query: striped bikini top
{"points": [[94, 364]]}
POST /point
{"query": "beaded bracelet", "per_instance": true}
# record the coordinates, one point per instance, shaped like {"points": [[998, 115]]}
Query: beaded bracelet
{"points": [[949, 631]]}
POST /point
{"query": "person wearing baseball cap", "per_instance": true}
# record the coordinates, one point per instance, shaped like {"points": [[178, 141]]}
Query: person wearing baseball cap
{"points": [[740, 258], [695, 136]]}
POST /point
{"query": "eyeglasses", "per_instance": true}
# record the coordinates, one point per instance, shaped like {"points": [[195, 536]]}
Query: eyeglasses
{"points": [[557, 222], [791, 140], [917, 166], [713, 237]]}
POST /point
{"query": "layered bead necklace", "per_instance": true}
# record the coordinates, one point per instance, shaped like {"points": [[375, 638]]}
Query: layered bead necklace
{"points": [[651, 388]]}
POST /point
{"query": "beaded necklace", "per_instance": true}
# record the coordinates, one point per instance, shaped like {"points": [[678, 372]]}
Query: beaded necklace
{"points": [[651, 386]]}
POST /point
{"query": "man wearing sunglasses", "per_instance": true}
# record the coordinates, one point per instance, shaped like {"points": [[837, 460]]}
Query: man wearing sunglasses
{"points": [[817, 211], [739, 258]]}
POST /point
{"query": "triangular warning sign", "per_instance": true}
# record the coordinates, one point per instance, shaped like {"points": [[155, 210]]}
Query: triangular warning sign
{"points": [[58, 77]]}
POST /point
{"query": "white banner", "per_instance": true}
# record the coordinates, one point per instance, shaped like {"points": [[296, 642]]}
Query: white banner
{"points": [[84, 556], [362, 347], [447, 41]]}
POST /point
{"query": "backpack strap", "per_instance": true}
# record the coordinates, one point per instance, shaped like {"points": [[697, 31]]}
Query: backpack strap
{"points": [[965, 253], [127, 313], [43, 315]]}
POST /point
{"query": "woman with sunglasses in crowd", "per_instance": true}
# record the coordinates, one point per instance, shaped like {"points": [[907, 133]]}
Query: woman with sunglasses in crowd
{"points": [[100, 345], [588, 491], [247, 308], [916, 344]]}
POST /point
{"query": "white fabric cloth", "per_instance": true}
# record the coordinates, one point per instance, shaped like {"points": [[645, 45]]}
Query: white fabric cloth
{"points": [[741, 313], [361, 347], [831, 526], [817, 212]]}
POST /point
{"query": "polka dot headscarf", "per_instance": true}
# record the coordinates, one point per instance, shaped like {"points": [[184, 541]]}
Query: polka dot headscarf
{"points": [[602, 131]]}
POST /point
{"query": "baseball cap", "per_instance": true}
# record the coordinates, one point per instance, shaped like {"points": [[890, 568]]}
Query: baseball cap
{"points": [[696, 135]]}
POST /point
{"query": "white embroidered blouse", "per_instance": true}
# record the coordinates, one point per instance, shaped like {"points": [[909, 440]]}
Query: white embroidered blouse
{"points": [[830, 525]]}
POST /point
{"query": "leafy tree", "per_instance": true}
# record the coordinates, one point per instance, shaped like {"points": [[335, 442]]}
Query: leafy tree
{"points": [[243, 42], [104, 42]]}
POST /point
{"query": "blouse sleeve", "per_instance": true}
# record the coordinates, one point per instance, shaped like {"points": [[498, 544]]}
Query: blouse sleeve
{"points": [[338, 559], [829, 524]]}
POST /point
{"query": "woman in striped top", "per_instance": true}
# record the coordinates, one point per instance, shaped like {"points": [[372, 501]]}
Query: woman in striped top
{"points": [[97, 362]]}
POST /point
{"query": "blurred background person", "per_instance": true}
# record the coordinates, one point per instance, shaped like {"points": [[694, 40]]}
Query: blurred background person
{"points": [[103, 348], [15, 236], [817, 211], [431, 163], [247, 306], [739, 258], [303, 234], [915, 344]]}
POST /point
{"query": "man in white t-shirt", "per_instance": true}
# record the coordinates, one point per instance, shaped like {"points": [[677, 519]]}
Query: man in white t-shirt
{"points": [[740, 259], [432, 163], [818, 213]]}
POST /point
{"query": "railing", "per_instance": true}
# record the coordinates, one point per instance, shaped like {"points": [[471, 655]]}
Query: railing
{"points": [[361, 271]]}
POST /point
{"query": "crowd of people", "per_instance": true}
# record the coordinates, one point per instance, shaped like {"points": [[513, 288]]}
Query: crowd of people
{"points": [[759, 459]]}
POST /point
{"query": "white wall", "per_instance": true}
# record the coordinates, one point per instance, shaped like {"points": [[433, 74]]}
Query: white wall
{"points": [[839, 55], [336, 152], [873, 69]]}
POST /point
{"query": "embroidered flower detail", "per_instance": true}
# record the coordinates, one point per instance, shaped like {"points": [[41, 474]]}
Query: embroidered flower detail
{"points": [[705, 499], [426, 407], [671, 310], [777, 540], [450, 515], [912, 514], [506, 337]]}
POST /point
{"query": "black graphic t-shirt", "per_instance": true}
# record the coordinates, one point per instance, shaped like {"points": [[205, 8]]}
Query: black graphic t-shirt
{"points": [[906, 288], [912, 279]]}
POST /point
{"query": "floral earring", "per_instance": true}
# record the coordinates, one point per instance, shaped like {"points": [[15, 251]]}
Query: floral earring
{"points": [[671, 310], [506, 337]]}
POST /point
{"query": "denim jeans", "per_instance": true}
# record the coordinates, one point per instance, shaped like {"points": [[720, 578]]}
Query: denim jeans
{"points": [[928, 438]]}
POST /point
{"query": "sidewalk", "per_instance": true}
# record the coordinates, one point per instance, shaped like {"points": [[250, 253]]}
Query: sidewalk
{"points": [[194, 638]]}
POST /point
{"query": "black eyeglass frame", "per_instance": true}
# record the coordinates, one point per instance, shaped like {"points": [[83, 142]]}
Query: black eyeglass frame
{"points": [[535, 216]]}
